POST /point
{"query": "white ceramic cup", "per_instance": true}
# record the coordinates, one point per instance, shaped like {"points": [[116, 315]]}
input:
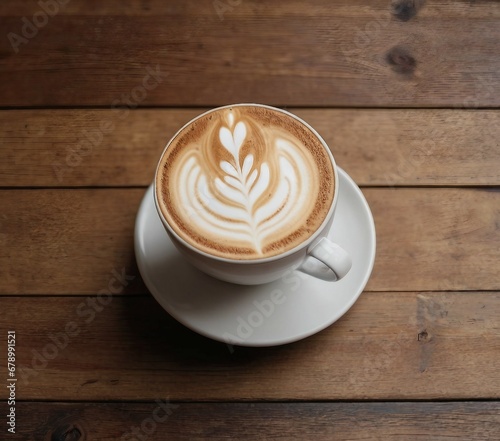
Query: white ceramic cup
{"points": [[316, 255]]}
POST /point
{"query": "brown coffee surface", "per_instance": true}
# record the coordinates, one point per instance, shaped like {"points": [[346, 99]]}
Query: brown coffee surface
{"points": [[245, 182]]}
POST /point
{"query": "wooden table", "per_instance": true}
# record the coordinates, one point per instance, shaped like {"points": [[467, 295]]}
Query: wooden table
{"points": [[407, 95]]}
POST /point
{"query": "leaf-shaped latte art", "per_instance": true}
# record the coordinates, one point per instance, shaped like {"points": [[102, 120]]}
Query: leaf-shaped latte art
{"points": [[242, 185], [250, 201]]}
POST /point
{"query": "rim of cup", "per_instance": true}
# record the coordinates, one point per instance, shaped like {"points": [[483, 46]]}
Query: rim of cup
{"points": [[301, 245]]}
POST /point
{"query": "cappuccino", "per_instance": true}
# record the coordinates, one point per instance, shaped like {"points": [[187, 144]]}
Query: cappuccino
{"points": [[245, 182]]}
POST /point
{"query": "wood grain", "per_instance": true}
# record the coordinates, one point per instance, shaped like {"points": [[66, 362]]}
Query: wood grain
{"points": [[70, 241], [344, 54], [376, 147], [73, 130], [249, 421], [67, 241], [389, 346], [401, 10]]}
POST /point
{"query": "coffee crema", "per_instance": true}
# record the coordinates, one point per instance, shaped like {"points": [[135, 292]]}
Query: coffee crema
{"points": [[245, 182]]}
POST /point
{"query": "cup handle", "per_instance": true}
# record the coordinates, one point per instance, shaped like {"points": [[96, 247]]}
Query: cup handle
{"points": [[327, 261]]}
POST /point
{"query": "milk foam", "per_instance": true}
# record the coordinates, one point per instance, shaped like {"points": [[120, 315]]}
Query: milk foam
{"points": [[241, 188]]}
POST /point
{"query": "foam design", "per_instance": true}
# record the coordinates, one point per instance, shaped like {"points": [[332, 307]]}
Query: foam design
{"points": [[237, 186]]}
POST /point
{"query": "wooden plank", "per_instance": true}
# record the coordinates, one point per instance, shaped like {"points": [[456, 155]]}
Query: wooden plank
{"points": [[433, 238], [68, 147], [70, 241], [250, 421], [400, 10], [344, 54], [376, 147], [67, 241], [389, 346]]}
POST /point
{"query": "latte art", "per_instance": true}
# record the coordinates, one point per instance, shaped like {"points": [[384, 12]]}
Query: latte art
{"points": [[245, 182], [245, 204]]}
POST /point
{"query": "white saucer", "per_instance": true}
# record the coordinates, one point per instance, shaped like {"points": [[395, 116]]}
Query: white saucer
{"points": [[265, 315]]}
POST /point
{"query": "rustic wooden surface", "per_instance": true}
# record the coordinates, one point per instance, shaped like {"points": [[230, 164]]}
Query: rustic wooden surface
{"points": [[277, 421], [390, 346], [406, 94], [50, 148], [428, 239], [329, 54]]}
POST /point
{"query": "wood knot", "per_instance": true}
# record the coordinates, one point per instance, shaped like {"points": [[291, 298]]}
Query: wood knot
{"points": [[422, 336], [405, 10], [401, 60], [68, 432]]}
